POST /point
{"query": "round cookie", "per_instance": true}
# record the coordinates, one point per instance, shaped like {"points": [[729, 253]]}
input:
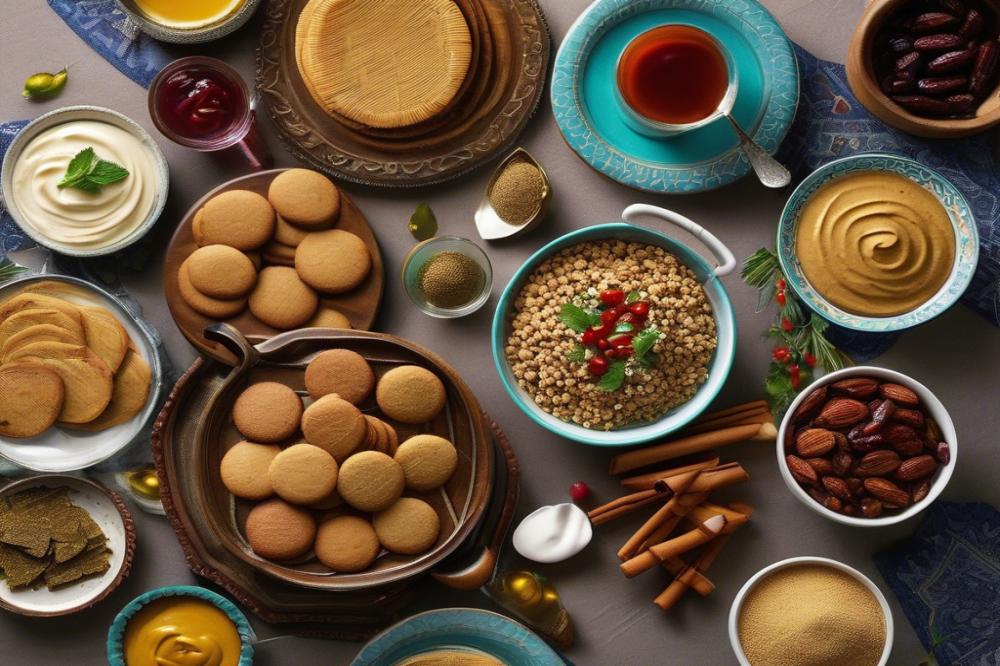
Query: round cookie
{"points": [[31, 398], [327, 317], [288, 234], [279, 254], [238, 218], [340, 371], [410, 394], [334, 425], [203, 304], [244, 470], [281, 299], [408, 527], [303, 474], [199, 237], [305, 198], [428, 461], [276, 530], [347, 544], [370, 481], [333, 261], [267, 412], [221, 272]]}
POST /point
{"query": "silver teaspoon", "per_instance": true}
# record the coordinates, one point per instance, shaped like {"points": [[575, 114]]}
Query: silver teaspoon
{"points": [[770, 171]]}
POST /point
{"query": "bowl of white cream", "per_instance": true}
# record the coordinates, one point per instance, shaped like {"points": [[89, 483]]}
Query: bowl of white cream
{"points": [[88, 215]]}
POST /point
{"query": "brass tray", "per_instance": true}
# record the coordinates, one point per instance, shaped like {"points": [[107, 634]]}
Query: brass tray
{"points": [[360, 305], [504, 90]]}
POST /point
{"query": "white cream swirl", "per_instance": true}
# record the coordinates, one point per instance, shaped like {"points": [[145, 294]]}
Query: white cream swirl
{"points": [[72, 217]]}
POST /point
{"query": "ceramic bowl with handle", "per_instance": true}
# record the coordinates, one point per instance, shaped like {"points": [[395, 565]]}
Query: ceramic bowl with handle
{"points": [[708, 275]]}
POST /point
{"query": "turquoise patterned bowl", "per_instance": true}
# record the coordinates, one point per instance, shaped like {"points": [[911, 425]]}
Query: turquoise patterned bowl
{"points": [[595, 127], [116, 634], [962, 219], [467, 629]]}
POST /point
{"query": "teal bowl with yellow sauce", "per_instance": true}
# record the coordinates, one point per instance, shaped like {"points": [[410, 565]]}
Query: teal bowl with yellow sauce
{"points": [[879, 246]]}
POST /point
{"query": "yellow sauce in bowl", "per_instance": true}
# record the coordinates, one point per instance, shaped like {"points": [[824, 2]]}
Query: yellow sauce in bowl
{"points": [[875, 244], [181, 631], [187, 14]]}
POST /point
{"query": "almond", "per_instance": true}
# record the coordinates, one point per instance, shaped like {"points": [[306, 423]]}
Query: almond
{"points": [[899, 393], [833, 503], [856, 485], [842, 462], [909, 448], [856, 387], [898, 432], [814, 442], [879, 463], [811, 404], [841, 440], [920, 490], [871, 507], [911, 417], [916, 468], [841, 413], [837, 487], [801, 470], [887, 491], [821, 465]]}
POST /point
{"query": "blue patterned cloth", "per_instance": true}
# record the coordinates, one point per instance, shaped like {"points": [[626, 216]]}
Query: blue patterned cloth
{"points": [[947, 579]]}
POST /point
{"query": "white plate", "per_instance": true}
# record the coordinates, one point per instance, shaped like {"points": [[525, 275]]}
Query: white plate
{"points": [[97, 501], [62, 449]]}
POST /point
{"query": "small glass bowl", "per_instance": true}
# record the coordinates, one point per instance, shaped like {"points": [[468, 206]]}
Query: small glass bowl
{"points": [[421, 252]]}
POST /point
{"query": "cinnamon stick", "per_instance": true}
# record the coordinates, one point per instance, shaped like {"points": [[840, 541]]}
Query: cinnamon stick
{"points": [[679, 485], [674, 547], [712, 478], [653, 491], [743, 407], [683, 505], [695, 580], [706, 510], [741, 418], [646, 481], [626, 504], [685, 446]]}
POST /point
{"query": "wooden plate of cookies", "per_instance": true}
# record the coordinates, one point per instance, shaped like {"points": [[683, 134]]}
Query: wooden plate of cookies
{"points": [[80, 377], [489, 60], [272, 251], [412, 461]]}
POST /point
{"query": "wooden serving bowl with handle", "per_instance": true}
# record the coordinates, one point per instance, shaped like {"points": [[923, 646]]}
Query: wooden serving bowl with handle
{"points": [[189, 456]]}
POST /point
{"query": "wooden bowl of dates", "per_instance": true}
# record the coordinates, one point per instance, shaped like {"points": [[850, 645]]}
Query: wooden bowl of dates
{"points": [[929, 67]]}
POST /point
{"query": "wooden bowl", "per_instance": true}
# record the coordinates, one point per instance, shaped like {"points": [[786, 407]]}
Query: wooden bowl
{"points": [[360, 305], [865, 86], [191, 458]]}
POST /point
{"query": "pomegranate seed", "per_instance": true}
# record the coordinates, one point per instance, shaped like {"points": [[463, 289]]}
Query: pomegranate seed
{"points": [[609, 317], [579, 491], [612, 296], [622, 340], [620, 309], [589, 337], [603, 344], [640, 308], [597, 366]]}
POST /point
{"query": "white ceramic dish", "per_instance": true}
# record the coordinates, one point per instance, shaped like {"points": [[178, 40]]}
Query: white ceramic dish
{"points": [[61, 449], [734, 611], [111, 514], [930, 403], [69, 114]]}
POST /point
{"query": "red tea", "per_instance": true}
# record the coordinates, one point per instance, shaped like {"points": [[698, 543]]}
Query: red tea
{"points": [[201, 103], [673, 74]]}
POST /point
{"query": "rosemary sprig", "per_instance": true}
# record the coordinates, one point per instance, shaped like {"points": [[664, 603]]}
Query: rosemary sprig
{"points": [[8, 269]]}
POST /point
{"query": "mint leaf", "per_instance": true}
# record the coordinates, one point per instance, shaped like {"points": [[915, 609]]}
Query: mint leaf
{"points": [[644, 341], [78, 167], [632, 297], [613, 378], [577, 354], [106, 173], [624, 327], [86, 185], [577, 318]]}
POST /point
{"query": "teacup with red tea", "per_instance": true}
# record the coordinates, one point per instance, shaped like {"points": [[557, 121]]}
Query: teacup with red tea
{"points": [[674, 78]]}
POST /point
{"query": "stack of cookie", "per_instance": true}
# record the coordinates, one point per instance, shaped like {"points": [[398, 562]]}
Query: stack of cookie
{"points": [[328, 477], [275, 254], [65, 363]]}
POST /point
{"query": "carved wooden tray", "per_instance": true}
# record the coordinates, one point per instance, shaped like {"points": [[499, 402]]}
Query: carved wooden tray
{"points": [[347, 615], [360, 306], [504, 87]]}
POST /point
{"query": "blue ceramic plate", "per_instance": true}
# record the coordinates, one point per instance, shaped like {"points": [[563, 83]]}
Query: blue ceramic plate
{"points": [[458, 628], [725, 323], [116, 634], [962, 220], [583, 93]]}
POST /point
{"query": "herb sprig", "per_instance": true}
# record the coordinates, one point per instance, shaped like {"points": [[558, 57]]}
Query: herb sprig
{"points": [[89, 173]]}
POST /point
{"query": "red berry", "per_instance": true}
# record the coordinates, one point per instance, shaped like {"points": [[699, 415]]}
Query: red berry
{"points": [[604, 330], [781, 284], [809, 359], [612, 296], [640, 309], [621, 340], [579, 491], [794, 375], [603, 344], [626, 350], [609, 317], [780, 297], [598, 365], [780, 354], [620, 310], [589, 337], [786, 325]]}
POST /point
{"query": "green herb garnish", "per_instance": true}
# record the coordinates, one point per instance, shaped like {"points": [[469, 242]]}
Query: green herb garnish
{"points": [[578, 354], [9, 269], [577, 318], [613, 378], [632, 297], [644, 341], [88, 173]]}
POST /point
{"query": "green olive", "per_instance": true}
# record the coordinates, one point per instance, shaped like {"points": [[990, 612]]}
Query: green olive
{"points": [[44, 84]]}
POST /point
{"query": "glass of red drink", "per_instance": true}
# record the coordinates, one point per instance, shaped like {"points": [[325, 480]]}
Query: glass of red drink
{"points": [[674, 78], [203, 103]]}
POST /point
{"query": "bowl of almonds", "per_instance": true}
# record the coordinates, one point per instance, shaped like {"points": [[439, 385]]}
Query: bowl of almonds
{"points": [[866, 446], [928, 67]]}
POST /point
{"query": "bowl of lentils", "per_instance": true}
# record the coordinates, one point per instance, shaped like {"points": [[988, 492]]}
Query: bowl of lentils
{"points": [[617, 334]]}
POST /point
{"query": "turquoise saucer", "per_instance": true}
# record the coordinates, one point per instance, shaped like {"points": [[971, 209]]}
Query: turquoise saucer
{"points": [[583, 93]]}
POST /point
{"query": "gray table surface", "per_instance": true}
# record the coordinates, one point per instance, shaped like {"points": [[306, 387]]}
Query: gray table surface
{"points": [[957, 356]]}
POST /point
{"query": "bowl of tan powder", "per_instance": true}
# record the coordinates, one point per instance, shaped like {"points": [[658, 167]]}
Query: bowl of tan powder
{"points": [[447, 276], [810, 611]]}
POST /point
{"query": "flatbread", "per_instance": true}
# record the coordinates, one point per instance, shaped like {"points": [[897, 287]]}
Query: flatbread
{"points": [[106, 337], [87, 378], [131, 391]]}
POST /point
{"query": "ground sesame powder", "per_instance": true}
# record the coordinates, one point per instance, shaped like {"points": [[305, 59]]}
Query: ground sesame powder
{"points": [[517, 192], [811, 615]]}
